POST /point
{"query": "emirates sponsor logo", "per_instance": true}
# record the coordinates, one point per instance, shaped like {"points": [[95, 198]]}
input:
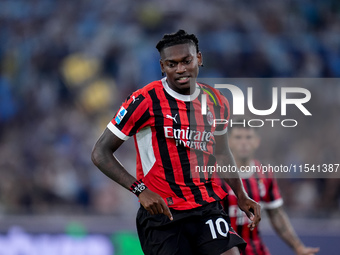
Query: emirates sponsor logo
{"points": [[189, 138]]}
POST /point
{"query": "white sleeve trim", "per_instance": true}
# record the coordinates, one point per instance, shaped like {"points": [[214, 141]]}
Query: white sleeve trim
{"points": [[222, 132], [117, 132], [272, 205]]}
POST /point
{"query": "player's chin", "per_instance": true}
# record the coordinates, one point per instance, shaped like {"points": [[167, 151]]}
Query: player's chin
{"points": [[183, 86], [244, 155]]}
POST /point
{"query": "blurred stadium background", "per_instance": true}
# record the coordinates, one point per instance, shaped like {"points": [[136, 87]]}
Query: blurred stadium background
{"points": [[67, 65]]}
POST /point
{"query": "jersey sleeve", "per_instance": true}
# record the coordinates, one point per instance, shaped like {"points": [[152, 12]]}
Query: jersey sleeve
{"points": [[132, 116], [272, 198], [222, 114]]}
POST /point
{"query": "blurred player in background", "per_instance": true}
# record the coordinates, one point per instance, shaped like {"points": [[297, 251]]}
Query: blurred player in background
{"points": [[262, 187], [171, 135]]}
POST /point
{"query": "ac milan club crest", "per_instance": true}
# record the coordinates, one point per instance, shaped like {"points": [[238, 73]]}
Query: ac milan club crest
{"points": [[210, 118]]}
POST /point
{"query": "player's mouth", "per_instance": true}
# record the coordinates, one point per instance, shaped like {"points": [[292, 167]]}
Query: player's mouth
{"points": [[183, 80]]}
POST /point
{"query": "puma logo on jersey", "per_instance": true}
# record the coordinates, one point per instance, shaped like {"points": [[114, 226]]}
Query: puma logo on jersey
{"points": [[134, 99], [173, 118]]}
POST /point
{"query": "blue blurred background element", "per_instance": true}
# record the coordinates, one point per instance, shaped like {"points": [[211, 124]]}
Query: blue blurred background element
{"points": [[65, 67]]}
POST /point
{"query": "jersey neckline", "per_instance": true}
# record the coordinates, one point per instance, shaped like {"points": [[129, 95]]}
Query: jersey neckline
{"points": [[186, 98], [245, 174]]}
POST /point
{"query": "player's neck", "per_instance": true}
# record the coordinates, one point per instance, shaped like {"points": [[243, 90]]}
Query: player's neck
{"points": [[178, 95], [243, 162]]}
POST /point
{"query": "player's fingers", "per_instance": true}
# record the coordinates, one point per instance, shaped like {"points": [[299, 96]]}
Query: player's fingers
{"points": [[159, 208], [249, 214], [167, 212], [251, 226], [257, 213], [149, 209], [254, 214], [154, 208]]}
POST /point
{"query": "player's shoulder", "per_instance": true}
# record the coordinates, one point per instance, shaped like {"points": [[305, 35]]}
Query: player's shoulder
{"points": [[205, 86], [150, 86], [216, 95], [158, 84], [144, 91]]}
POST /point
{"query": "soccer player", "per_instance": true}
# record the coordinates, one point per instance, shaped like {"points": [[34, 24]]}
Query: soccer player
{"points": [[262, 187], [180, 209]]}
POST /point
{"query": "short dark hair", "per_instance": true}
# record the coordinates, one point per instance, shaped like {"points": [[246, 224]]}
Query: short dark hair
{"points": [[180, 37]]}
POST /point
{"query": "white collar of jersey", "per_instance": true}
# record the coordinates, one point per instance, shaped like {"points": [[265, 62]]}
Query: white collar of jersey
{"points": [[248, 174], [179, 96]]}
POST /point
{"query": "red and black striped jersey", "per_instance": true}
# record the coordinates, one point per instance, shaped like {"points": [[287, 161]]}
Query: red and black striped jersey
{"points": [[263, 188], [172, 137]]}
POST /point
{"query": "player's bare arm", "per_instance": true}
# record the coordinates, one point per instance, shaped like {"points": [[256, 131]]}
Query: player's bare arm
{"points": [[249, 206], [103, 157], [284, 229]]}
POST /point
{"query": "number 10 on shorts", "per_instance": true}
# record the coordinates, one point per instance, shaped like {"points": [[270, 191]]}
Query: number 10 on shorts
{"points": [[218, 223]]}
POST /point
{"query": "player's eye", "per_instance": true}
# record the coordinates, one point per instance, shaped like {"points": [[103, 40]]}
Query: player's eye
{"points": [[171, 65], [187, 62]]}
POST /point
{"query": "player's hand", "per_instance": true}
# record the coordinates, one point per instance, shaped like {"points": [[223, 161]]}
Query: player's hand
{"points": [[252, 209], [302, 250], [154, 203]]}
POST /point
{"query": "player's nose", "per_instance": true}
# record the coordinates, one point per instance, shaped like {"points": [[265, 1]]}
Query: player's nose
{"points": [[180, 68]]}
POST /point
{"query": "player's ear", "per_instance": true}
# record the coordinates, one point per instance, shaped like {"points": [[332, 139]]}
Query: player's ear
{"points": [[200, 58], [162, 66]]}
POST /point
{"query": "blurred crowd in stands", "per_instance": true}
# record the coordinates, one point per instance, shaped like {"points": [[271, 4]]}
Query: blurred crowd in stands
{"points": [[67, 65]]}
